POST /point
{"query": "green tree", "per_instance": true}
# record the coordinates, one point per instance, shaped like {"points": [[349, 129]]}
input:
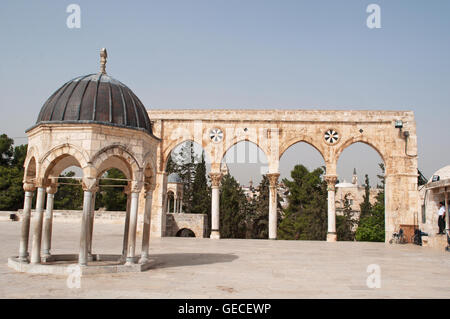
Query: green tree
{"points": [[345, 223], [69, 194], [371, 226], [306, 216], [365, 206], [6, 150], [233, 208], [184, 162], [11, 174], [113, 198], [201, 193]]}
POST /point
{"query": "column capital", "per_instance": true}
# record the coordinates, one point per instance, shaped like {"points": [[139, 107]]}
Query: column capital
{"points": [[149, 188], [215, 179], [331, 181], [136, 186], [89, 184], [29, 187], [52, 188], [273, 179], [42, 182]]}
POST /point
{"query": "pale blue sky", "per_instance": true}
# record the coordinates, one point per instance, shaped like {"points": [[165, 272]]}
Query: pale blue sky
{"points": [[240, 54]]}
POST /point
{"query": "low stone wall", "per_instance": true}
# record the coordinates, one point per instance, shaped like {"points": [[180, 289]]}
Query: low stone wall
{"points": [[74, 216], [195, 222], [435, 242]]}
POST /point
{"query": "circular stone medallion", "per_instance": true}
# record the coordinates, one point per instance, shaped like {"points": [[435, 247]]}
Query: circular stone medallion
{"points": [[331, 136], [216, 135]]}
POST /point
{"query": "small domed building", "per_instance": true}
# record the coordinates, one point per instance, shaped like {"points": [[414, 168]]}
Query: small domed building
{"points": [[437, 190], [175, 191], [96, 123]]}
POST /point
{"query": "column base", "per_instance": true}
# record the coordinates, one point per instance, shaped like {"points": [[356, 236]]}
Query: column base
{"points": [[90, 257], [144, 259], [331, 237], [131, 260], [23, 259], [215, 234]]}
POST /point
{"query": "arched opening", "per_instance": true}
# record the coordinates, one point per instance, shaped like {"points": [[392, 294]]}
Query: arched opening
{"points": [[170, 202], [188, 167], [359, 197], [244, 192], [66, 194], [302, 194], [185, 232]]}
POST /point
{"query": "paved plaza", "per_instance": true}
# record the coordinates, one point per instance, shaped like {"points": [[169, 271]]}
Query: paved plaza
{"points": [[205, 268]]}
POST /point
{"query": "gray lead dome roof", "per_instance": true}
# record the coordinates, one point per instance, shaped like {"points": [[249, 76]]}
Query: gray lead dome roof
{"points": [[95, 98]]}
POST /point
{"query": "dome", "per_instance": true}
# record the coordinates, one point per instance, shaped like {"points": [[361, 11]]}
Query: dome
{"points": [[345, 184], [174, 178], [443, 173], [95, 98]]}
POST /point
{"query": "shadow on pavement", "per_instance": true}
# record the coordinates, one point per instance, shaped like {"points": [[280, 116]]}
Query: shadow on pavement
{"points": [[189, 259]]}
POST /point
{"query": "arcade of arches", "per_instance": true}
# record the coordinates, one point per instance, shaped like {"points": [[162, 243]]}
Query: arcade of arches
{"points": [[274, 131], [97, 123]]}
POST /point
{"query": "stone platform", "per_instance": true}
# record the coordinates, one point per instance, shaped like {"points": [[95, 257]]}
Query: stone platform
{"points": [[234, 268], [63, 265]]}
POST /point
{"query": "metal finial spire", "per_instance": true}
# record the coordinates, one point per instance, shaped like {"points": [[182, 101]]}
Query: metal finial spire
{"points": [[103, 56]]}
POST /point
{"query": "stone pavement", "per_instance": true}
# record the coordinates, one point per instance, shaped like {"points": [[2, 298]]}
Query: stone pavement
{"points": [[204, 268]]}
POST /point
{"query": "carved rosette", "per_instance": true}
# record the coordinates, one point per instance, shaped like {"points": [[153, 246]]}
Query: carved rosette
{"points": [[331, 182], [273, 179], [215, 179]]}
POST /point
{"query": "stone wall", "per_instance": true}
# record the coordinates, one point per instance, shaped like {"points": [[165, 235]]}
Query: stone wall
{"points": [[198, 223]]}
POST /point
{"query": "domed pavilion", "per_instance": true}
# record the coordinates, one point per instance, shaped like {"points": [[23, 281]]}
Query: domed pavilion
{"points": [[96, 123]]}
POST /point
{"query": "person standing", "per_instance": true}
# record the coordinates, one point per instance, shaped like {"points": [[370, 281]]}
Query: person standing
{"points": [[441, 219]]}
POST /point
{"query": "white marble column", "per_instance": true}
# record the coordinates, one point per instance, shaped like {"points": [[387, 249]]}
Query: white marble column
{"points": [[37, 226], [175, 204], [91, 224], [273, 216], [215, 204], [48, 220], [331, 182], [127, 222], [87, 202], [147, 224], [23, 248], [180, 205], [131, 251]]}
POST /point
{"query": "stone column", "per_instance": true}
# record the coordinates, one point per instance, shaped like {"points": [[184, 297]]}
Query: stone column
{"points": [[88, 187], [180, 205], [331, 181], [273, 217], [48, 220], [147, 224], [127, 191], [159, 207], [134, 205], [215, 204], [175, 203], [37, 226], [23, 248], [91, 223]]}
